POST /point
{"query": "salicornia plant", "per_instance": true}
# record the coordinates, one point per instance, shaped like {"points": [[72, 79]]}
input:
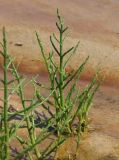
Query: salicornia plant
{"points": [[4, 115], [76, 103], [65, 107], [28, 115]]}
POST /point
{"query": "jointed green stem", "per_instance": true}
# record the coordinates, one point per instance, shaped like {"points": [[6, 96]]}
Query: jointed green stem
{"points": [[6, 125], [29, 126], [61, 70]]}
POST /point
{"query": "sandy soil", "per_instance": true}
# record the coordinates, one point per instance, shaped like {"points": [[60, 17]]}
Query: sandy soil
{"points": [[102, 139], [96, 24]]}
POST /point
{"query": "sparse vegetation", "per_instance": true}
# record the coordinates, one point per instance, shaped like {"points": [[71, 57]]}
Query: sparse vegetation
{"points": [[70, 108]]}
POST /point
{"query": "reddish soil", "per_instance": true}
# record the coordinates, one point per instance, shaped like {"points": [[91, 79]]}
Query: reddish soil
{"points": [[96, 24]]}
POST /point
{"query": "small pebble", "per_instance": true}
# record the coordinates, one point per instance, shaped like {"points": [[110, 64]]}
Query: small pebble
{"points": [[18, 44]]}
